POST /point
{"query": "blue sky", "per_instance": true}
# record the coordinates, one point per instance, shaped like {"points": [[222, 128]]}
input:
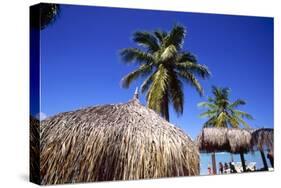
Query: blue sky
{"points": [[81, 66]]}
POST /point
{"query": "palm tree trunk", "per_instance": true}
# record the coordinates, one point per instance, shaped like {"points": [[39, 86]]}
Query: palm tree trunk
{"points": [[243, 161], [264, 160], [165, 107], [214, 163]]}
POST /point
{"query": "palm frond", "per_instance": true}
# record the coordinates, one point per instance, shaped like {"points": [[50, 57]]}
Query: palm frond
{"points": [[210, 122], [186, 56], [207, 105], [176, 36], [220, 92], [200, 70], [146, 40], [176, 94], [237, 103], [225, 92], [190, 78], [233, 121], [141, 71], [168, 53], [209, 113], [129, 55], [241, 121], [147, 83], [243, 114], [221, 120], [160, 35]]}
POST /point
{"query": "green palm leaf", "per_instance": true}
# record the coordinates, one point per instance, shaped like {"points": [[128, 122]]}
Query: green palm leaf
{"points": [[146, 40], [129, 55], [209, 113], [186, 56], [176, 94], [237, 103], [160, 35], [200, 70], [191, 79], [176, 36], [168, 53], [208, 105], [143, 70], [147, 82], [243, 114]]}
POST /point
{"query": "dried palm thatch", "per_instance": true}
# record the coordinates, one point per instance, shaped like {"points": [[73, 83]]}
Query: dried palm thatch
{"points": [[34, 150], [262, 138], [114, 142], [224, 140]]}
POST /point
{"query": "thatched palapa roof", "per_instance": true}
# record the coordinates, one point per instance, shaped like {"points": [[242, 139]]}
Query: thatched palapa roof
{"points": [[114, 142], [262, 138], [224, 140]]}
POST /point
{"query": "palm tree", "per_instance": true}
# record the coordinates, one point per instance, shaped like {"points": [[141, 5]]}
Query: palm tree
{"points": [[221, 112], [164, 65]]}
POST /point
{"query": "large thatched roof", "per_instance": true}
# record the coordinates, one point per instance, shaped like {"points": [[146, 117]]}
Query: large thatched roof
{"points": [[224, 140], [114, 142], [263, 138]]}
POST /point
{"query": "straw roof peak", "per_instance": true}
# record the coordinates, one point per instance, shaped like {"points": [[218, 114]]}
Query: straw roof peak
{"points": [[136, 94]]}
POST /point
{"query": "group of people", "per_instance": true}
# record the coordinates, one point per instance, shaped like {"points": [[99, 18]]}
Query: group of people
{"points": [[225, 168]]}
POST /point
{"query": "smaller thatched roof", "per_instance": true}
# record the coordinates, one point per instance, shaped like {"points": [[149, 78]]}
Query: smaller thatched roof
{"points": [[262, 138], [224, 140]]}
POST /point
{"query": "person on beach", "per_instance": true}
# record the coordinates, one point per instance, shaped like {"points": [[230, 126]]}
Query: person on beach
{"points": [[226, 167], [232, 168], [220, 168], [209, 170]]}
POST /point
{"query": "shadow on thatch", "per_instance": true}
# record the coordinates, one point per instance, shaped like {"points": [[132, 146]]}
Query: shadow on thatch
{"points": [[224, 140], [114, 142]]}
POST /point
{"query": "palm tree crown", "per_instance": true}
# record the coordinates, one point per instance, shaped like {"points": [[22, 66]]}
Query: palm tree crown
{"points": [[223, 113], [164, 65]]}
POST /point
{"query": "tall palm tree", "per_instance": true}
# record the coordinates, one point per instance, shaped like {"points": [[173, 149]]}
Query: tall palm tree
{"points": [[164, 65], [221, 112]]}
